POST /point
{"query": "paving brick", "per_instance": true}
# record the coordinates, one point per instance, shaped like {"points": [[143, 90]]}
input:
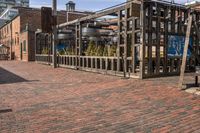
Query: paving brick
{"points": [[44, 99]]}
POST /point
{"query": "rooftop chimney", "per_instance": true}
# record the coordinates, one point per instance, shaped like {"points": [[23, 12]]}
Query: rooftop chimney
{"points": [[70, 6]]}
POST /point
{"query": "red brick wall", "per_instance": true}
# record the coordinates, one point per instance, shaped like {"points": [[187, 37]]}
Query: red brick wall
{"points": [[16, 38], [24, 38], [74, 15]]}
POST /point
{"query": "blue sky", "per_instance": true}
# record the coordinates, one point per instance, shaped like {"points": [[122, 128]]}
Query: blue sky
{"points": [[89, 5]]}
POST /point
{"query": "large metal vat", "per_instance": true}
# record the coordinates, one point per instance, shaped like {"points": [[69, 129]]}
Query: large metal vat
{"points": [[62, 36], [65, 35], [90, 32]]}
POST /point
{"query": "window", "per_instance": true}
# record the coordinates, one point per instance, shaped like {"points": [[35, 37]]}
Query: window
{"points": [[24, 45]]}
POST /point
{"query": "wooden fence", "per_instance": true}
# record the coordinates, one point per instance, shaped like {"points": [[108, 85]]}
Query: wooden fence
{"points": [[44, 59], [104, 65]]}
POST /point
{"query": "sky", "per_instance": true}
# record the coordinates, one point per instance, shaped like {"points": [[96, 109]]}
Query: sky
{"points": [[88, 5]]}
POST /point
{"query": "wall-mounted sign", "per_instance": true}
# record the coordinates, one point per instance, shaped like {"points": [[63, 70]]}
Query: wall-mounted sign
{"points": [[176, 46]]}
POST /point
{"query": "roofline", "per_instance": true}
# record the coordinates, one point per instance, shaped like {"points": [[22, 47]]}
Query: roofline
{"points": [[5, 11], [9, 21]]}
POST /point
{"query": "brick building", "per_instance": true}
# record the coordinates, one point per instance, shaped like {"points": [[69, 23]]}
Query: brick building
{"points": [[19, 33]]}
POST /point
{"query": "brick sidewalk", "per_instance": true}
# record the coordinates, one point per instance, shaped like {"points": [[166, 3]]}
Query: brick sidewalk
{"points": [[46, 100]]}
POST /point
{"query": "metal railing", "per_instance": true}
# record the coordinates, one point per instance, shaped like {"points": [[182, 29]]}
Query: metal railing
{"points": [[4, 56]]}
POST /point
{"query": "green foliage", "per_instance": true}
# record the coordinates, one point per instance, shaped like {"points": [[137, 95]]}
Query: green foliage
{"points": [[45, 50], [62, 52], [70, 51], [67, 51], [91, 49], [113, 50], [105, 51], [99, 51]]}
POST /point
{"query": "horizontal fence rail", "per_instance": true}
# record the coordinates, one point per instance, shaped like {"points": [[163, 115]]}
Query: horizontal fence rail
{"points": [[105, 65], [42, 58], [4, 56]]}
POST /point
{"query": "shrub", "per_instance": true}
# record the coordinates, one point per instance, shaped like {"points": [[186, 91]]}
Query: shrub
{"points": [[113, 50], [70, 51], [90, 49], [99, 51], [62, 52], [45, 50], [105, 51]]}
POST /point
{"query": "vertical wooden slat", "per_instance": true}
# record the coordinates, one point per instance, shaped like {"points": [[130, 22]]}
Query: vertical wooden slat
{"points": [[112, 64], [83, 58], [92, 62], [101, 63], [87, 62]]}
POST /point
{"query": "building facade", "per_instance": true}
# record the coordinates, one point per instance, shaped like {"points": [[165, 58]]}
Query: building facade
{"points": [[19, 32]]}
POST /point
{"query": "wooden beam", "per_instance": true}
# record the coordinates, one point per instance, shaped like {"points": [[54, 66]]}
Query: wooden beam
{"points": [[187, 40], [133, 46], [142, 39], [119, 41], [165, 41], [99, 14], [158, 41], [150, 31], [80, 44], [125, 40]]}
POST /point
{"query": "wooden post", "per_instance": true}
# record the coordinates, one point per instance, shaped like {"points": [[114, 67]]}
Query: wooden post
{"points": [[80, 44], [119, 41], [142, 40], [77, 45], [133, 46], [54, 33], [150, 62], [158, 41], [125, 41], [165, 41], [187, 40]]}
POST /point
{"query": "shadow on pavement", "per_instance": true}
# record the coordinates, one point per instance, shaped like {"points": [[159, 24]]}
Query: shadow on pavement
{"points": [[7, 77]]}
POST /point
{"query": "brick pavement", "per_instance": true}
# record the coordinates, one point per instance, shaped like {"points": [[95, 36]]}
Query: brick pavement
{"points": [[62, 100]]}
